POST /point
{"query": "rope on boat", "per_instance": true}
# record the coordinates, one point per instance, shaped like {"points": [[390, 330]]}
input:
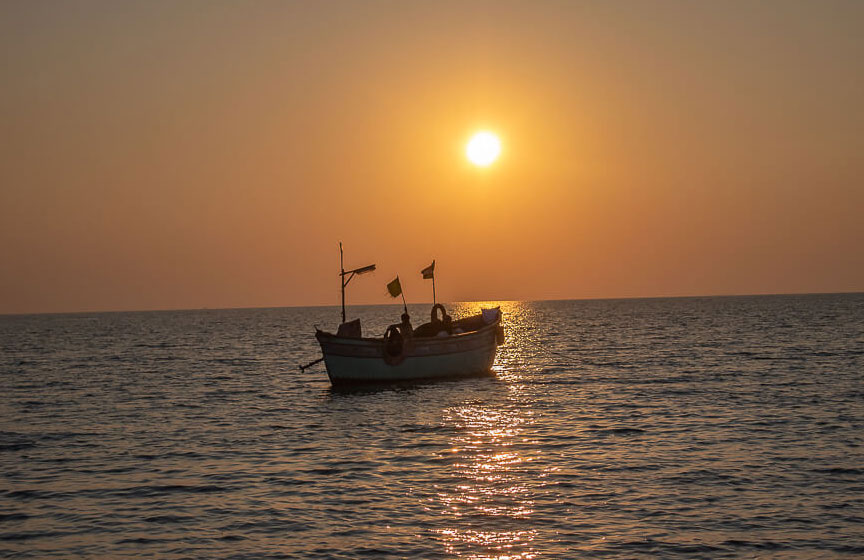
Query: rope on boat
{"points": [[310, 364]]}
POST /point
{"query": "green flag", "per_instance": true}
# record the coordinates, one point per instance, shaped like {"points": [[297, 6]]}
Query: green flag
{"points": [[429, 271], [395, 288]]}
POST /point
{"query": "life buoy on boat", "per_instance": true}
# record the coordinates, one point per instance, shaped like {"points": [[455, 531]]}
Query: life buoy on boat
{"points": [[435, 309], [394, 345], [445, 321]]}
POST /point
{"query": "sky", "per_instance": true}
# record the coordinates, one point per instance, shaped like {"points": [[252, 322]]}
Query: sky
{"points": [[178, 155]]}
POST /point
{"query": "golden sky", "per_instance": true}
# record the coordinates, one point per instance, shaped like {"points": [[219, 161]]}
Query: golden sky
{"points": [[190, 154]]}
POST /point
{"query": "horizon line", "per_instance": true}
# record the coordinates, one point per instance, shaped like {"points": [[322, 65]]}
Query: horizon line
{"points": [[620, 298]]}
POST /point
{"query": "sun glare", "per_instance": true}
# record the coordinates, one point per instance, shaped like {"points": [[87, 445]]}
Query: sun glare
{"points": [[483, 148]]}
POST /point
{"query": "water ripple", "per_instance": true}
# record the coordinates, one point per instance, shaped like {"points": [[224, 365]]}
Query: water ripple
{"points": [[683, 428]]}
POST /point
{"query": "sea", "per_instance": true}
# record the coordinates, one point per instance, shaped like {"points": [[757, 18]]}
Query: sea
{"points": [[716, 427]]}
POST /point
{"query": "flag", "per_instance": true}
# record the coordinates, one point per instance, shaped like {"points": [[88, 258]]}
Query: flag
{"points": [[395, 288], [429, 271]]}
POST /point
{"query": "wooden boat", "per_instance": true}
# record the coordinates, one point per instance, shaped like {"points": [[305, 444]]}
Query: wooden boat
{"points": [[441, 348]]}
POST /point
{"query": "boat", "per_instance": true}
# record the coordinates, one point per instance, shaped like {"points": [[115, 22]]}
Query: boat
{"points": [[429, 352], [441, 348]]}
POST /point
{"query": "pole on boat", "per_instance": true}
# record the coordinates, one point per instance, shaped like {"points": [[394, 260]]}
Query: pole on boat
{"points": [[350, 274], [427, 273], [310, 364], [394, 288], [342, 276]]}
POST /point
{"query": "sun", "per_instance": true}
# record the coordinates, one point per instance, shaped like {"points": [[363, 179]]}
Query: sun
{"points": [[483, 148]]}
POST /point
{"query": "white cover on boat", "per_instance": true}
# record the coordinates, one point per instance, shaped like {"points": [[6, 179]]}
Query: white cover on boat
{"points": [[490, 315]]}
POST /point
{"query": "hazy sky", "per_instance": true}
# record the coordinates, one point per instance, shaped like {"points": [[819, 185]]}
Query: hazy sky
{"points": [[213, 154]]}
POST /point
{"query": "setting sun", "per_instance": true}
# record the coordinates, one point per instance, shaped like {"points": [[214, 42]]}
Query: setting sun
{"points": [[483, 148]]}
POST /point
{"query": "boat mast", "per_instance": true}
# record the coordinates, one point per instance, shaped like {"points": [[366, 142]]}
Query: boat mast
{"points": [[342, 279], [350, 274]]}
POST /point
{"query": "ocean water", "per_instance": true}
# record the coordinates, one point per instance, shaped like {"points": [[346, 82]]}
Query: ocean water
{"points": [[662, 428]]}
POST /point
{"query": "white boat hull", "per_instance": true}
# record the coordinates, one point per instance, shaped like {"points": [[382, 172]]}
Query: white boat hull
{"points": [[358, 360]]}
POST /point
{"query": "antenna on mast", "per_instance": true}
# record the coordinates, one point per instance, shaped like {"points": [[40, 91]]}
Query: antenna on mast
{"points": [[350, 273]]}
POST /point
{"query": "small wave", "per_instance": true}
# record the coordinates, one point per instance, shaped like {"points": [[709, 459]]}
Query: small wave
{"points": [[618, 431], [662, 548], [25, 495], [427, 429], [285, 481], [626, 431], [701, 476], [321, 471], [839, 470], [759, 545], [166, 519], [143, 540], [848, 549], [145, 457], [16, 446], [60, 436], [29, 536], [232, 538], [166, 489]]}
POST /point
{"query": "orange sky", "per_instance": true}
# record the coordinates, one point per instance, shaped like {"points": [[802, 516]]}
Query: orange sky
{"points": [[212, 154]]}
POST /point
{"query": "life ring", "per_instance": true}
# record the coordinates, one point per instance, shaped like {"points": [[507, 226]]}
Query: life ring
{"points": [[435, 309], [445, 323], [394, 345]]}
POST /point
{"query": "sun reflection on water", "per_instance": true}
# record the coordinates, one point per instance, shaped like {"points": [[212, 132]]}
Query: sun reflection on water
{"points": [[488, 507], [486, 501], [522, 336]]}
